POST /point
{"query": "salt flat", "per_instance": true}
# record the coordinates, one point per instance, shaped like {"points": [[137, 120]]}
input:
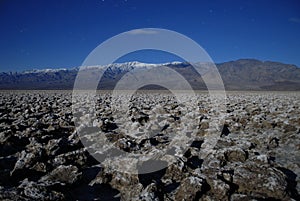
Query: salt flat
{"points": [[149, 146]]}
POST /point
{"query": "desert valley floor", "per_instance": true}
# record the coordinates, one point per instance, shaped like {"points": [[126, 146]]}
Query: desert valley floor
{"points": [[248, 150]]}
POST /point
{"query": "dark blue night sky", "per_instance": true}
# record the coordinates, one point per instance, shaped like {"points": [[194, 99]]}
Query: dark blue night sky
{"points": [[54, 34]]}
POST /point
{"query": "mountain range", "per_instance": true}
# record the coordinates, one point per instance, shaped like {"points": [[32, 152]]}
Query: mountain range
{"points": [[242, 74]]}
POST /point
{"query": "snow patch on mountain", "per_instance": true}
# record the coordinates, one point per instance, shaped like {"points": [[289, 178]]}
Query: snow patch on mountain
{"points": [[47, 70], [127, 66]]}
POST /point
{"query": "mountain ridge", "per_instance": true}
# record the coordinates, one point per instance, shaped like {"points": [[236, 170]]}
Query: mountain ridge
{"points": [[242, 74]]}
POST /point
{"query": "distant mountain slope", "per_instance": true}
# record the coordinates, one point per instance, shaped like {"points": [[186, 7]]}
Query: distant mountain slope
{"points": [[60, 79], [255, 74], [243, 74]]}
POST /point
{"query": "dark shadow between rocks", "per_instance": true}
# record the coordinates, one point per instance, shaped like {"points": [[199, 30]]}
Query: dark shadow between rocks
{"points": [[266, 199], [85, 192], [194, 162], [205, 188], [197, 144], [20, 174], [96, 192], [232, 186], [225, 130], [291, 182], [148, 178], [171, 187]]}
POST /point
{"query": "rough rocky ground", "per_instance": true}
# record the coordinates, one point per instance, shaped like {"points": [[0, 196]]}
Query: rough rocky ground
{"points": [[256, 157]]}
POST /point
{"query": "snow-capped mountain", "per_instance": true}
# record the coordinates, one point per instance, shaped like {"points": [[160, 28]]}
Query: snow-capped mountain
{"points": [[127, 66], [47, 70], [243, 74]]}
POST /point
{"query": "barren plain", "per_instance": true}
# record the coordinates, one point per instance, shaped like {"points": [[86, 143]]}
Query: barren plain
{"points": [[249, 150]]}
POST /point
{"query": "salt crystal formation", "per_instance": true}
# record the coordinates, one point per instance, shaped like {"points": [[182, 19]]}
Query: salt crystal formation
{"points": [[249, 150]]}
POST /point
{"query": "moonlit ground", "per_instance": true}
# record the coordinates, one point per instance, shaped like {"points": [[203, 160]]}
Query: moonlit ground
{"points": [[185, 145]]}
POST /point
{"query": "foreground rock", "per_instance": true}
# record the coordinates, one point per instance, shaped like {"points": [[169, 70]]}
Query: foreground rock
{"points": [[256, 155]]}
